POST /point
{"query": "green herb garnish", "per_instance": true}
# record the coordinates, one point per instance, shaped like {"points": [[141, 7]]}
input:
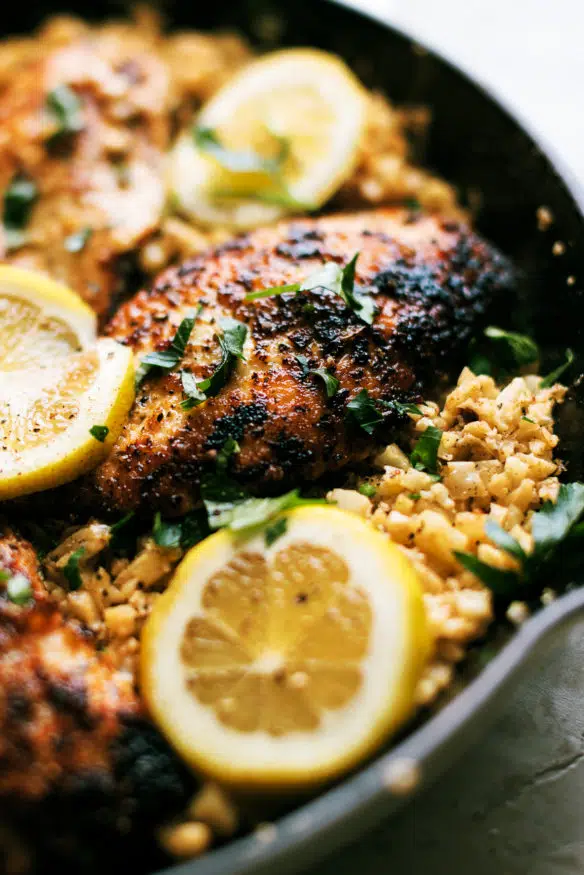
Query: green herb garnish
{"points": [[404, 409], [19, 199], [502, 353], [334, 278], [553, 378], [71, 569], [99, 432], [231, 341], [363, 412], [166, 534], [165, 360], [65, 108], [331, 384], [527, 419], [19, 589], [275, 530], [554, 525], [116, 528], [229, 449], [207, 141], [424, 456], [254, 512], [415, 496], [77, 242], [367, 489]]}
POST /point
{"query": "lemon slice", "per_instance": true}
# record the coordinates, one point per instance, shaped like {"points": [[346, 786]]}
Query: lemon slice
{"points": [[46, 413], [305, 98], [281, 666], [40, 319]]}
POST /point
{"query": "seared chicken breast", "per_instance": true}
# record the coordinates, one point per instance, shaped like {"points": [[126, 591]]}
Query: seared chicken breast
{"points": [[430, 281], [78, 761], [83, 128]]}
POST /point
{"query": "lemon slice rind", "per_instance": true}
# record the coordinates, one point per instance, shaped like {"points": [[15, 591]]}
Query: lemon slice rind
{"points": [[52, 298], [195, 178], [390, 671], [73, 451]]}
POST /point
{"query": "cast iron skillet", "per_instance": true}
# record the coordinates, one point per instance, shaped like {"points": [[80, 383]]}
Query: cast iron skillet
{"points": [[480, 147]]}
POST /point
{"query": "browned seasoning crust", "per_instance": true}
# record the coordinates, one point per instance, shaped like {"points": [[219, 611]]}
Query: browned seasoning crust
{"points": [[431, 280], [61, 702], [84, 777], [106, 179]]}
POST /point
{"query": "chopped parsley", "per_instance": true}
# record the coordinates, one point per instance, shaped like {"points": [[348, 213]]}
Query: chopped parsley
{"points": [[65, 109], [367, 489], [121, 524], [231, 341], [248, 161], [229, 506], [19, 589], [502, 353], [415, 496], [527, 419], [363, 412], [166, 534], [165, 360], [553, 378], [334, 278], [331, 384], [399, 407], [424, 456], [71, 569], [275, 530], [76, 242], [19, 199], [552, 527], [99, 432]]}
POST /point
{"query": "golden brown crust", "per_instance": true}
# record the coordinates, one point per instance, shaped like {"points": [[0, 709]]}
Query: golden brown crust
{"points": [[108, 177], [431, 281], [62, 704]]}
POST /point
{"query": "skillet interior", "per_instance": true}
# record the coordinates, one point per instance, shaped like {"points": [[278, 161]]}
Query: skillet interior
{"points": [[476, 145]]}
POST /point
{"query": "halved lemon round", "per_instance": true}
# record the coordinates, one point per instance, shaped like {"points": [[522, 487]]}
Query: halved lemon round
{"points": [[48, 415], [41, 320], [281, 666], [303, 105]]}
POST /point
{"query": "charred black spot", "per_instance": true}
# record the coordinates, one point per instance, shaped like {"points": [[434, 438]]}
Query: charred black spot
{"points": [[298, 250], [236, 424], [71, 698], [291, 452]]}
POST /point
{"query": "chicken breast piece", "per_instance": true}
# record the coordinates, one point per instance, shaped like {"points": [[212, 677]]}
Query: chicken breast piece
{"points": [[83, 128], [431, 281], [80, 767]]}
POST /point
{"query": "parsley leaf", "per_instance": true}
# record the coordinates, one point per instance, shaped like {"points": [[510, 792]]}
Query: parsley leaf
{"points": [[502, 353], [334, 278], [501, 582], [99, 432], [166, 534], [116, 528], [275, 530], [19, 199], [71, 569], [229, 448], [552, 526], [65, 108], [19, 589], [76, 242], [504, 540], [207, 141], [232, 342], [195, 528], [331, 384], [424, 456], [165, 360], [364, 412], [553, 378], [399, 407], [253, 512], [367, 489]]}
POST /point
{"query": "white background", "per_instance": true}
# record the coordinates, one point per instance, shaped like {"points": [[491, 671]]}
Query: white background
{"points": [[531, 51]]}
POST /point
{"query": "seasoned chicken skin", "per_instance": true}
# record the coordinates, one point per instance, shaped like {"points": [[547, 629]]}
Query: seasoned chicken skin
{"points": [[81, 769], [85, 122], [431, 281], [61, 702]]}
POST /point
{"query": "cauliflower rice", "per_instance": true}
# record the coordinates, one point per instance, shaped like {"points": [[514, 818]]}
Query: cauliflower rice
{"points": [[497, 455]]}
